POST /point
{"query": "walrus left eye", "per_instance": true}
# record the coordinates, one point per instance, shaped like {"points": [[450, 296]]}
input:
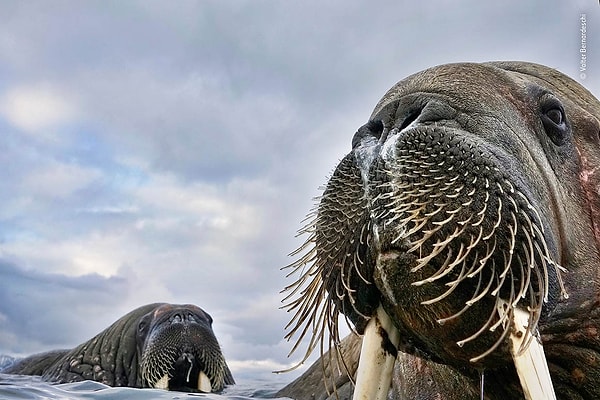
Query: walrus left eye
{"points": [[555, 115], [555, 121]]}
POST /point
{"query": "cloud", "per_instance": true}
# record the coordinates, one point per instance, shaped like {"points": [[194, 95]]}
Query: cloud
{"points": [[36, 110], [41, 310], [59, 180]]}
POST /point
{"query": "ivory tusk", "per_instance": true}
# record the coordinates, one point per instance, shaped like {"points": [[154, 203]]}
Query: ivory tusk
{"points": [[531, 364], [377, 358], [204, 384], [162, 383]]}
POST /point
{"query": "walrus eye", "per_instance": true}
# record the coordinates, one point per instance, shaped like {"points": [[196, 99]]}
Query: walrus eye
{"points": [[142, 326], [555, 121], [555, 115]]}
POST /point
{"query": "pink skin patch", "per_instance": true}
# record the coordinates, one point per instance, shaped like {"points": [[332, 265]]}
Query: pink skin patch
{"points": [[590, 182]]}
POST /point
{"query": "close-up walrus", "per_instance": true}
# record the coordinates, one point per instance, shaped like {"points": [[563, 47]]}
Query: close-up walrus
{"points": [[463, 229], [159, 345]]}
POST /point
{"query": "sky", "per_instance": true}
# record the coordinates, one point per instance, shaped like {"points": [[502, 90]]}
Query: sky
{"points": [[159, 151]]}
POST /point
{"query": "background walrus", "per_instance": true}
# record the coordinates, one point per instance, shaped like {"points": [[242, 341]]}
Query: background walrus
{"points": [[158, 345], [467, 196]]}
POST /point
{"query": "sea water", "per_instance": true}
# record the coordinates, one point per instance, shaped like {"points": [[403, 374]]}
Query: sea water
{"points": [[32, 387], [14, 387]]}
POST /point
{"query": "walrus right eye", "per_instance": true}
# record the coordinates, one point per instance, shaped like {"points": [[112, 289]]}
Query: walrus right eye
{"points": [[143, 327], [555, 121]]}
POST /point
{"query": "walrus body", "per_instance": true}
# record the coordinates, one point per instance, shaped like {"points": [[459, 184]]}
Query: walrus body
{"points": [[471, 186], [157, 346]]}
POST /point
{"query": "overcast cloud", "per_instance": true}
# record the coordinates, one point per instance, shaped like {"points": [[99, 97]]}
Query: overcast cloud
{"points": [[168, 151]]}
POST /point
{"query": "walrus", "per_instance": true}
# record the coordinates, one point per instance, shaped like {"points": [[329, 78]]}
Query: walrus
{"points": [[160, 345], [469, 200]]}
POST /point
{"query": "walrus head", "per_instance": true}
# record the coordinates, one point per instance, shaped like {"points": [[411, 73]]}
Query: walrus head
{"points": [[179, 351], [467, 195]]}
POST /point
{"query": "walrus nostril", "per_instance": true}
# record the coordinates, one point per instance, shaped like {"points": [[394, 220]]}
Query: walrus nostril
{"points": [[176, 319], [410, 118], [372, 129]]}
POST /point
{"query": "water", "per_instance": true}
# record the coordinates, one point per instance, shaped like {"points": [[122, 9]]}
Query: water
{"points": [[32, 387]]}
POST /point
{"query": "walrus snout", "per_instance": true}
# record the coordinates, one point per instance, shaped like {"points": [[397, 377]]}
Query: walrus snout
{"points": [[466, 234], [179, 351]]}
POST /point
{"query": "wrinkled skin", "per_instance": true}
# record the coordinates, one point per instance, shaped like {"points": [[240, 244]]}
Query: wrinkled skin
{"points": [[138, 349], [470, 183]]}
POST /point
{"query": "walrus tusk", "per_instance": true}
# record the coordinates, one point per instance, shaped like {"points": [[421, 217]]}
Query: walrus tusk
{"points": [[377, 358], [530, 362], [204, 384], [162, 383]]}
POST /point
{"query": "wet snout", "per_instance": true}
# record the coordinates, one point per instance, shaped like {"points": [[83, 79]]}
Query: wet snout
{"points": [[181, 352], [188, 374]]}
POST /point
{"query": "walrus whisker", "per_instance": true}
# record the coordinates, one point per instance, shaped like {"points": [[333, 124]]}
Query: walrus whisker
{"points": [[502, 279], [300, 306], [416, 228], [503, 316], [447, 269], [513, 228], [312, 342], [464, 271], [302, 315], [475, 335], [308, 293], [534, 248], [306, 245], [333, 343], [440, 271], [438, 247], [480, 295], [468, 303], [444, 222], [483, 261], [296, 285], [434, 212], [358, 312], [481, 212], [491, 349], [544, 270], [525, 278], [187, 379], [363, 233], [498, 221], [452, 284]]}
